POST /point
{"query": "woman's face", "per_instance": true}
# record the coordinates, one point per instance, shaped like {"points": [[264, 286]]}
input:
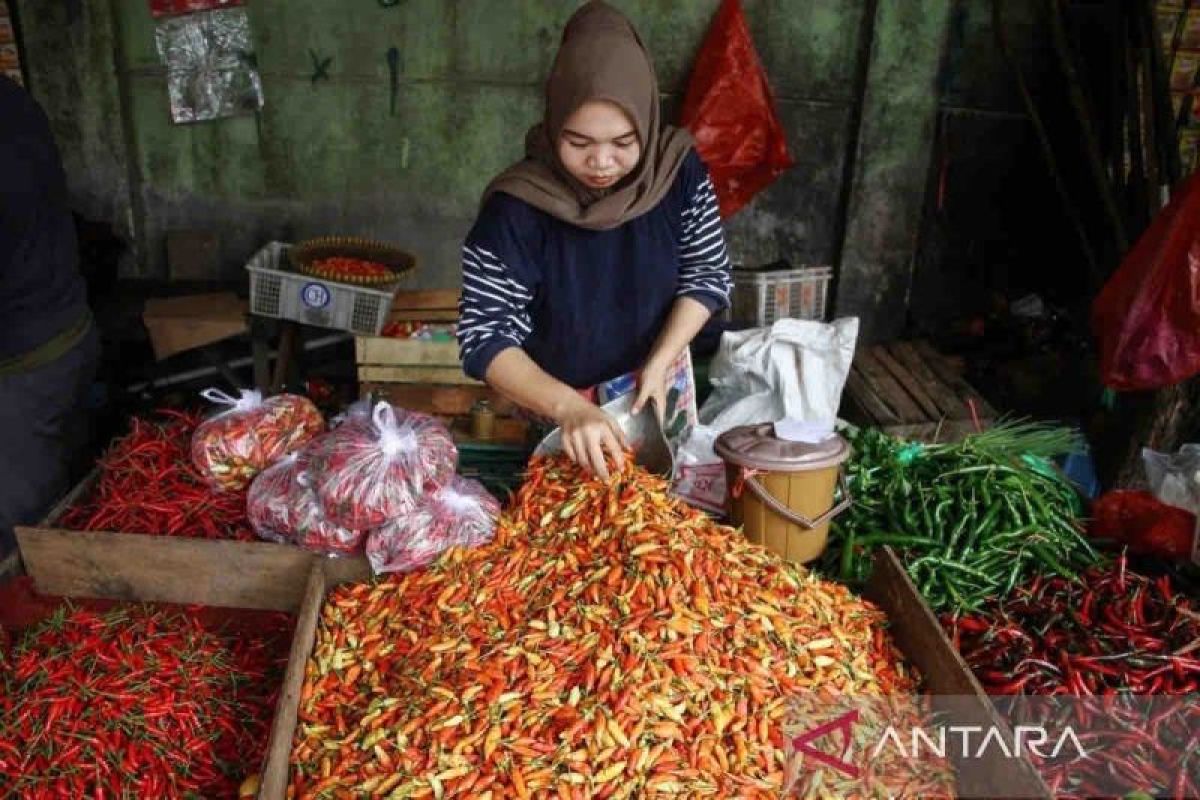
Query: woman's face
{"points": [[599, 144]]}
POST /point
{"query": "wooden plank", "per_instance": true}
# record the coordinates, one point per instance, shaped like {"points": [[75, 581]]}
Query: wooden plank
{"points": [[913, 383], [325, 574], [138, 567], [861, 394], [951, 683], [287, 708], [949, 404], [414, 299], [941, 367], [444, 400], [382, 350], [888, 388], [423, 315], [369, 373]]}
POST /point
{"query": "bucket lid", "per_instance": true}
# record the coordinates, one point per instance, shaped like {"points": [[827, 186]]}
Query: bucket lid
{"points": [[757, 447]]}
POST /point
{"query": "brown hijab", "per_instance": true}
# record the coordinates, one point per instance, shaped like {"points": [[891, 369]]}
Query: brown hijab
{"points": [[601, 57]]}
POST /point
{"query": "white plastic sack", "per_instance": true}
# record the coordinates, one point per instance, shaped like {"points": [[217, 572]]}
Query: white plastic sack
{"points": [[1175, 478], [795, 368]]}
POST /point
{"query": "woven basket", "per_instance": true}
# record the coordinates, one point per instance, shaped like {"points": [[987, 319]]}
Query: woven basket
{"points": [[307, 252]]}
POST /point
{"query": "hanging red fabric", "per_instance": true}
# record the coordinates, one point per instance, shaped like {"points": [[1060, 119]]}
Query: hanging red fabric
{"points": [[730, 112], [170, 8], [1147, 317]]}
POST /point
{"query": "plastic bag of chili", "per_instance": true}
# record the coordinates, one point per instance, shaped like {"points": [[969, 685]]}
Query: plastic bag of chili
{"points": [[268, 499], [251, 434], [461, 514], [367, 475]]}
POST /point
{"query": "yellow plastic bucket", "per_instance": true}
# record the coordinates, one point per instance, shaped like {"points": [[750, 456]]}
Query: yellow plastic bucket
{"points": [[784, 494]]}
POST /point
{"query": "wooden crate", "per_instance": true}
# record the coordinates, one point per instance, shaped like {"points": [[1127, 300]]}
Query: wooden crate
{"points": [[386, 360], [911, 389], [382, 359], [911, 622], [162, 569]]}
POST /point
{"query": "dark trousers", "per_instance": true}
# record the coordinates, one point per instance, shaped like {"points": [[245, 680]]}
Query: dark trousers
{"points": [[42, 427]]}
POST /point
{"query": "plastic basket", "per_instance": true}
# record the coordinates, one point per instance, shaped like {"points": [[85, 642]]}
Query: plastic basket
{"points": [[760, 297], [276, 291]]}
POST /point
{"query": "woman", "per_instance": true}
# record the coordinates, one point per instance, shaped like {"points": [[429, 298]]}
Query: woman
{"points": [[601, 253]]}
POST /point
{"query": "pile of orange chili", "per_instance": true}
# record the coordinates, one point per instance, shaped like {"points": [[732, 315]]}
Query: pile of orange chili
{"points": [[610, 643]]}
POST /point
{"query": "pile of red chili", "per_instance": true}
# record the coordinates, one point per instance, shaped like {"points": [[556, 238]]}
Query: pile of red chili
{"points": [[137, 701], [1113, 634], [343, 268], [148, 484]]}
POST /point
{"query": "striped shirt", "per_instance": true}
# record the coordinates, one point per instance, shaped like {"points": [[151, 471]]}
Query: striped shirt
{"points": [[587, 306]]}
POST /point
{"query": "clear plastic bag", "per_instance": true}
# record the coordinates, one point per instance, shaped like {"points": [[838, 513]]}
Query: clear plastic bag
{"points": [[267, 502], [232, 447], [283, 508], [311, 527], [368, 475], [462, 514], [1175, 477]]}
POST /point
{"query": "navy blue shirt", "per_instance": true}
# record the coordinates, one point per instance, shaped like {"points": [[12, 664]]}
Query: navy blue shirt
{"points": [[41, 290], [587, 306]]}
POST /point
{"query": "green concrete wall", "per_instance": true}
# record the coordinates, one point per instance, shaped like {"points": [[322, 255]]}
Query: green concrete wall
{"points": [[330, 158]]}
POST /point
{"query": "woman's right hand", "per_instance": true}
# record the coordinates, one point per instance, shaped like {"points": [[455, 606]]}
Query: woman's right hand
{"points": [[587, 433]]}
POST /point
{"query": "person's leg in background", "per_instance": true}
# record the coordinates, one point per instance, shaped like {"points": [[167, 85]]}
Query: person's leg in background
{"points": [[42, 425]]}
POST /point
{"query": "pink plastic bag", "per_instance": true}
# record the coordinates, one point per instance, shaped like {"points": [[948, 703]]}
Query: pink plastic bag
{"points": [[1147, 317], [462, 514], [251, 434], [729, 110], [367, 475]]}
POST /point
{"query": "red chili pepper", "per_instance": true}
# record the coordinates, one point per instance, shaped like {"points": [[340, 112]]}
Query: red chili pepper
{"points": [[148, 485], [1112, 633], [131, 735]]}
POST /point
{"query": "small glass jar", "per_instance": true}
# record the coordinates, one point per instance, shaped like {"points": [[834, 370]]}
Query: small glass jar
{"points": [[483, 421]]}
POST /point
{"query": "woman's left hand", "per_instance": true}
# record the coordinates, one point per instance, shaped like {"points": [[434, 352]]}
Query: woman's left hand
{"points": [[652, 385]]}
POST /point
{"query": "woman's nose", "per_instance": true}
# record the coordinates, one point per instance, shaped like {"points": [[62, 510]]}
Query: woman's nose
{"points": [[600, 159]]}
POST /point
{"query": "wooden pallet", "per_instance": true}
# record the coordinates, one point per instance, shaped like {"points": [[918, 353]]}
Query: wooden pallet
{"points": [[911, 388]]}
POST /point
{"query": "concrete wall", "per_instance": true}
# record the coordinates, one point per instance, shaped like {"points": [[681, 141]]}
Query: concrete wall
{"points": [[329, 157]]}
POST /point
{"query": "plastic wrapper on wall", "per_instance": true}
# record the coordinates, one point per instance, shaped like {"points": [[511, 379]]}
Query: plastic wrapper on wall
{"points": [[211, 67]]}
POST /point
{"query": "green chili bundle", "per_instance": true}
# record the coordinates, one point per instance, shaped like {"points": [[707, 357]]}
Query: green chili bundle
{"points": [[973, 519]]}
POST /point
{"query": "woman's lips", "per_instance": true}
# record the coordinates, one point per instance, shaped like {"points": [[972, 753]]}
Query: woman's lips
{"points": [[601, 181]]}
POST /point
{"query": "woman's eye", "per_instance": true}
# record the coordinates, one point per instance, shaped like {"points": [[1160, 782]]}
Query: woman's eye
{"points": [[626, 145]]}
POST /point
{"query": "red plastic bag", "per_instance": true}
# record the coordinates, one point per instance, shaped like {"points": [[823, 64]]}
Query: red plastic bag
{"points": [[1147, 317], [729, 110], [1144, 524]]}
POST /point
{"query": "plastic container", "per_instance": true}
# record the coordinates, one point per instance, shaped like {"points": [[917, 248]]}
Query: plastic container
{"points": [[782, 493], [276, 291], [760, 297]]}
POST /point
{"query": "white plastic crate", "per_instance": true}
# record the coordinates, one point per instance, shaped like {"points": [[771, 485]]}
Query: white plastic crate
{"points": [[276, 291], [760, 297]]}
